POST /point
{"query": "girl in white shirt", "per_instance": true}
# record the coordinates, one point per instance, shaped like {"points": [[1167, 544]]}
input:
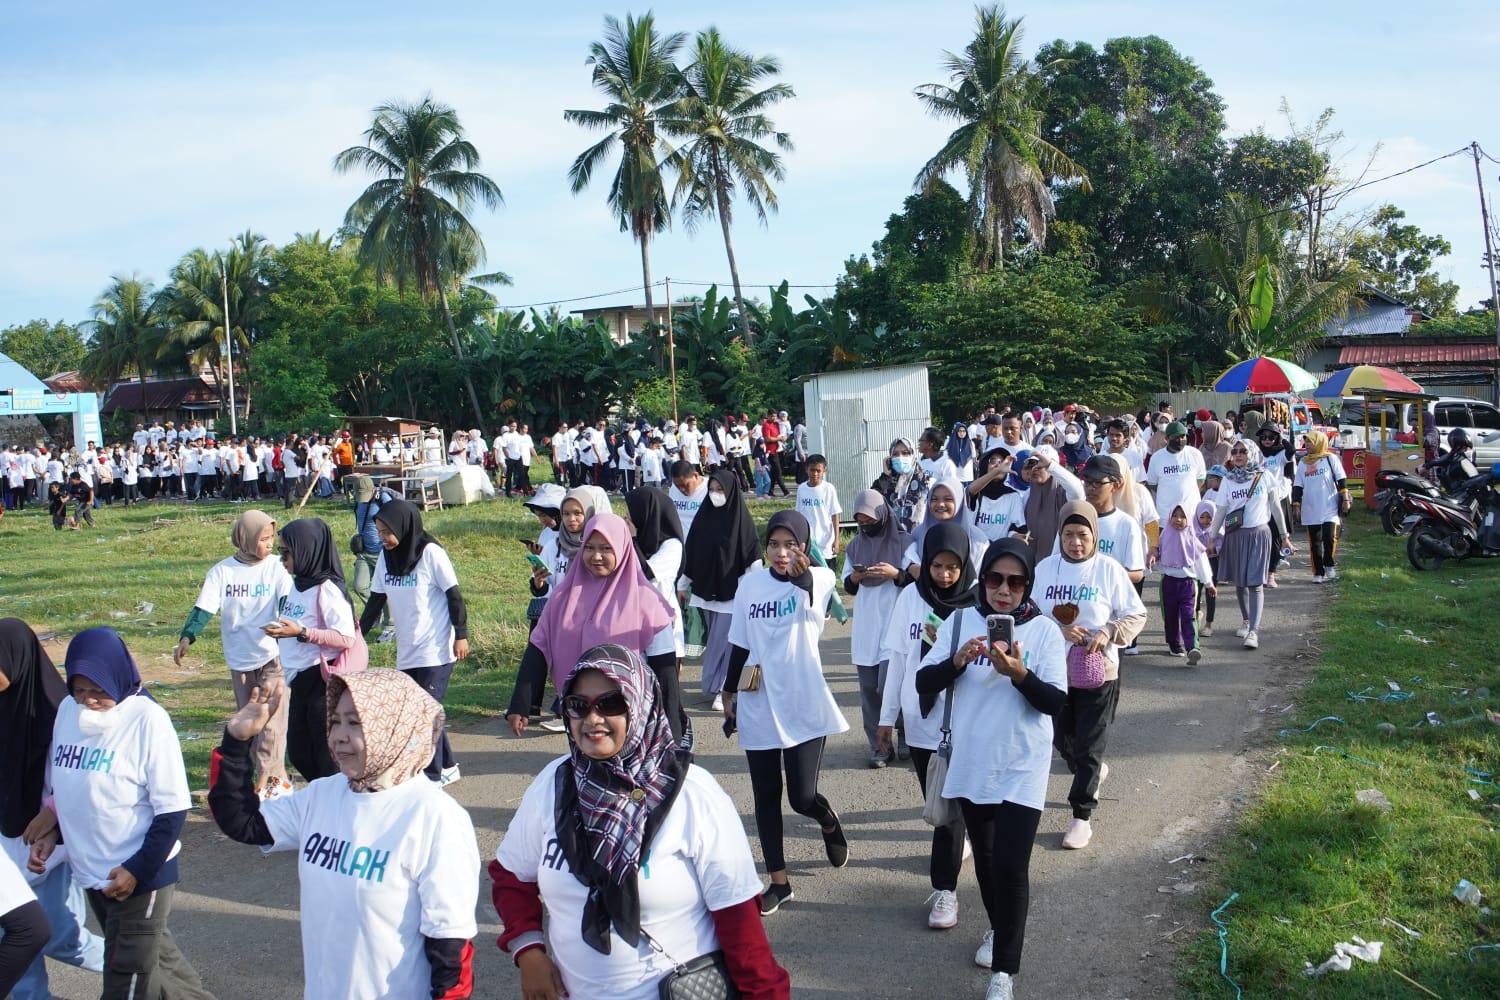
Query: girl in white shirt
{"points": [[415, 576], [386, 860], [875, 570], [1003, 704], [315, 624], [783, 707]]}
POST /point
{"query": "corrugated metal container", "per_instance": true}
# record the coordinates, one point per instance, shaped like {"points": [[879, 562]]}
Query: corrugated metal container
{"points": [[853, 416]]}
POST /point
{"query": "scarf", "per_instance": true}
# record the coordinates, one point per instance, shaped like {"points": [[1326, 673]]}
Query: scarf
{"points": [[1044, 501], [655, 519], [884, 542], [1079, 512], [586, 610], [593, 500], [995, 488], [1214, 448], [722, 543], [606, 811], [28, 708], [946, 536], [1317, 448], [403, 520], [99, 654], [315, 555], [1244, 473], [1180, 549], [959, 494], [246, 533], [400, 721], [796, 523], [1199, 532], [960, 449], [903, 492]]}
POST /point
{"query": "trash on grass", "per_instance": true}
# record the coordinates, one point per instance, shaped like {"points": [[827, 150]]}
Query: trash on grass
{"points": [[1467, 893], [118, 615], [1413, 637], [1386, 729], [1179, 888], [1373, 797], [1344, 953], [1327, 718], [1402, 927], [145, 608], [1433, 719]]}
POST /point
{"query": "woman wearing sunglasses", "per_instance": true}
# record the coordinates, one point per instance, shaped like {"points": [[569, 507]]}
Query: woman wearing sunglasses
{"points": [[1003, 701], [639, 855], [782, 704], [1246, 508]]}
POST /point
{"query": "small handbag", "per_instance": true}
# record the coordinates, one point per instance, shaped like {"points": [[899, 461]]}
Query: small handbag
{"points": [[1085, 669], [937, 810], [348, 661], [703, 978], [752, 679], [1235, 519]]}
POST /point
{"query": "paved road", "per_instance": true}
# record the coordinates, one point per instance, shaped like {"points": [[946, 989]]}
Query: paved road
{"points": [[1099, 927]]}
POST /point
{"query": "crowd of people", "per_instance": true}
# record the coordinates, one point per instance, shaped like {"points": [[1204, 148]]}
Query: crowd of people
{"points": [[997, 573]]}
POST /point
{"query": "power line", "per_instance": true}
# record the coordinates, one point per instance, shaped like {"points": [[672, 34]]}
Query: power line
{"points": [[1436, 159], [632, 288]]}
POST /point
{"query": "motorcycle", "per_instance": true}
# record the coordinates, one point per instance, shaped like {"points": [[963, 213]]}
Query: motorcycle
{"points": [[1458, 527], [1391, 485]]}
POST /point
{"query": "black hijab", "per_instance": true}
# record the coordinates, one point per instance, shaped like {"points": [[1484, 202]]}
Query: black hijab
{"points": [[28, 707], [405, 522], [947, 536], [722, 543], [655, 520], [794, 522], [1019, 550], [995, 488], [315, 555]]}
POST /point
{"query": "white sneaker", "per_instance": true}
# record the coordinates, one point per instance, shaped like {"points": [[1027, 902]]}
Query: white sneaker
{"points": [[1194, 656], [1078, 836], [387, 634], [1318, 579], [554, 726], [1103, 772], [986, 952], [1000, 987], [944, 912], [1242, 631], [1331, 573], [1130, 651], [1252, 641], [450, 776], [718, 705], [1207, 631]]}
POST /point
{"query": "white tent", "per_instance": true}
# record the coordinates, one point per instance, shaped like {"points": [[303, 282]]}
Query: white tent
{"points": [[23, 394]]}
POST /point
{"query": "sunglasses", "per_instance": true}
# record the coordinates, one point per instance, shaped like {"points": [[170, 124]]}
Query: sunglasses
{"points": [[612, 703], [1239, 451], [1008, 580], [1096, 482]]}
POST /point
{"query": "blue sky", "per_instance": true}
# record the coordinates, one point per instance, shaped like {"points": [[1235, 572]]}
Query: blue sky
{"points": [[135, 132]]}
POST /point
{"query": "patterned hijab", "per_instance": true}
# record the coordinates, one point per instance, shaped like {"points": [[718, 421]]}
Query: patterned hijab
{"points": [[608, 810], [401, 723]]}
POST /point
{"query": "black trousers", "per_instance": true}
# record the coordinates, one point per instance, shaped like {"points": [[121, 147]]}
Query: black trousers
{"points": [[802, 763], [1079, 734], [1001, 835], [512, 474], [947, 841], [666, 668], [434, 680], [776, 474], [1323, 545], [307, 726]]}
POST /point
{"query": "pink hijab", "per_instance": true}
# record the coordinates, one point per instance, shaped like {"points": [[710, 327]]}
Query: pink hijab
{"points": [[586, 611]]}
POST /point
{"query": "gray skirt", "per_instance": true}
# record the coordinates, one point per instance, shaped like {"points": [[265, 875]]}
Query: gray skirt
{"points": [[1244, 555]]}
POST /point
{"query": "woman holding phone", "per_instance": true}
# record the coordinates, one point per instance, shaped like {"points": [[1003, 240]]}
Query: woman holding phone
{"points": [[1004, 696]]}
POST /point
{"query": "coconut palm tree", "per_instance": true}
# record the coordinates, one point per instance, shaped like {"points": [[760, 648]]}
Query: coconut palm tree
{"points": [[125, 332], [633, 69], [411, 222], [996, 97], [721, 118]]}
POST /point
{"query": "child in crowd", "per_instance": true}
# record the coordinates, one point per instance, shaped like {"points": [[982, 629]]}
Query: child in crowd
{"points": [[652, 461], [1202, 526], [57, 505], [82, 496], [1184, 567], [762, 472], [818, 501]]}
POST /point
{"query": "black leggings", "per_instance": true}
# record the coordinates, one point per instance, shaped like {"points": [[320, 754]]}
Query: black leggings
{"points": [[947, 841], [1323, 546], [307, 726], [802, 763], [1001, 835]]}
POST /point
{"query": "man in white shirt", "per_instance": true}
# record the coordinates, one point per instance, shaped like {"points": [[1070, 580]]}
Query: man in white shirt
{"points": [[691, 442], [933, 456], [1175, 474], [506, 457], [525, 452]]}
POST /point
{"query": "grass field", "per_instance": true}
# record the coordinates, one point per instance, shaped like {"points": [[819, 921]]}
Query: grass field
{"points": [[1313, 865]]}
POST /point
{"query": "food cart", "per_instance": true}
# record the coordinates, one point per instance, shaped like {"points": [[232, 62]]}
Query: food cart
{"points": [[1383, 449], [412, 470]]}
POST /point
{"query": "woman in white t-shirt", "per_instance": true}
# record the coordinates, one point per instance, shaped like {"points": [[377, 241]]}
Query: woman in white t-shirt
{"points": [[637, 854], [996, 504], [386, 860], [119, 796], [721, 548], [1093, 600], [1249, 493], [1004, 701], [245, 590], [782, 707], [942, 584], [945, 502], [315, 624], [1319, 499], [415, 577], [23, 926], [875, 571]]}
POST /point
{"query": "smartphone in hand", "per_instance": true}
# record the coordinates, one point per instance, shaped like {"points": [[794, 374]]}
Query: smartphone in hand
{"points": [[535, 561], [1001, 630]]}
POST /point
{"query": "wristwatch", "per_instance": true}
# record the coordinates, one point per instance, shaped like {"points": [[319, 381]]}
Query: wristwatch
{"points": [[302, 636]]}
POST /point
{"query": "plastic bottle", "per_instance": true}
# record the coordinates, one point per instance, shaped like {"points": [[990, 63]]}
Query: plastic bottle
{"points": [[1467, 893]]}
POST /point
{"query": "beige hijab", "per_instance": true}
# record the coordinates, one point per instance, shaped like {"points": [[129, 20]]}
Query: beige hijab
{"points": [[246, 532], [401, 723]]}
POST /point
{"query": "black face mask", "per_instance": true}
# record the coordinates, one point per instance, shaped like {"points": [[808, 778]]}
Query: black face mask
{"points": [[1175, 445], [869, 530], [1269, 448]]}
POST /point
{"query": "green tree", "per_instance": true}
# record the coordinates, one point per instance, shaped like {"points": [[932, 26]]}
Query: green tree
{"points": [[411, 221], [721, 118], [42, 348], [633, 68], [1275, 172], [1477, 322], [1398, 260], [996, 96], [1147, 128], [125, 333]]}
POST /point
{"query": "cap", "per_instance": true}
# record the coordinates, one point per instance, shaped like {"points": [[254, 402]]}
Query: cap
{"points": [[1176, 429], [1102, 466], [1217, 470], [1070, 408], [1045, 450], [345, 434], [999, 446], [548, 496], [1202, 415], [993, 420]]}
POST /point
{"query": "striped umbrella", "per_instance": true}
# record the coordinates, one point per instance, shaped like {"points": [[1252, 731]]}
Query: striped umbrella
{"points": [[1266, 375], [1347, 382]]}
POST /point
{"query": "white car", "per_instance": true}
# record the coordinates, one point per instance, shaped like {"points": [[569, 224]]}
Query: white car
{"points": [[1479, 419]]}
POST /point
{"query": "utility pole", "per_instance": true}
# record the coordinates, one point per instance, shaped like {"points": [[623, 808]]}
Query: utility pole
{"points": [[671, 351], [234, 427], [1489, 253]]}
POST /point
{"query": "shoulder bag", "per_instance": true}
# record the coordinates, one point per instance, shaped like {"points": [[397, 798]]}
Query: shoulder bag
{"points": [[937, 810], [357, 540], [1235, 519], [348, 661], [703, 978]]}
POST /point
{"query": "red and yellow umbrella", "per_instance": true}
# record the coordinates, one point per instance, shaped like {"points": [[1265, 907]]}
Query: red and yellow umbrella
{"points": [[1266, 375], [1349, 381]]}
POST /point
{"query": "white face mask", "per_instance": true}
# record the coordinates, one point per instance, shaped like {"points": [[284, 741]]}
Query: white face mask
{"points": [[92, 723], [717, 499]]}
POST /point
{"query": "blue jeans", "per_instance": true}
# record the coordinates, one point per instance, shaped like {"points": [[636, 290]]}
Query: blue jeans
{"points": [[71, 942]]}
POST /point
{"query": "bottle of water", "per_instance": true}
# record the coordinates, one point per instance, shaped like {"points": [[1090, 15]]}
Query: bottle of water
{"points": [[1467, 892]]}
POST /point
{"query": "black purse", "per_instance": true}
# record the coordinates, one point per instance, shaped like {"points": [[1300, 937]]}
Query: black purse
{"points": [[703, 978]]}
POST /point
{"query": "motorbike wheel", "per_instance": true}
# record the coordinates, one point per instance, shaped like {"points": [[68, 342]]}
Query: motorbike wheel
{"points": [[1420, 555], [1391, 518]]}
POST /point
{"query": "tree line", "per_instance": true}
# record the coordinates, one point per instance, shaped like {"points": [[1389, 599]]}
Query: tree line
{"points": [[1087, 230]]}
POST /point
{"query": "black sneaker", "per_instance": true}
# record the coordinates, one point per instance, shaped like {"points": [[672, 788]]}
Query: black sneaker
{"points": [[773, 897], [836, 845]]}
